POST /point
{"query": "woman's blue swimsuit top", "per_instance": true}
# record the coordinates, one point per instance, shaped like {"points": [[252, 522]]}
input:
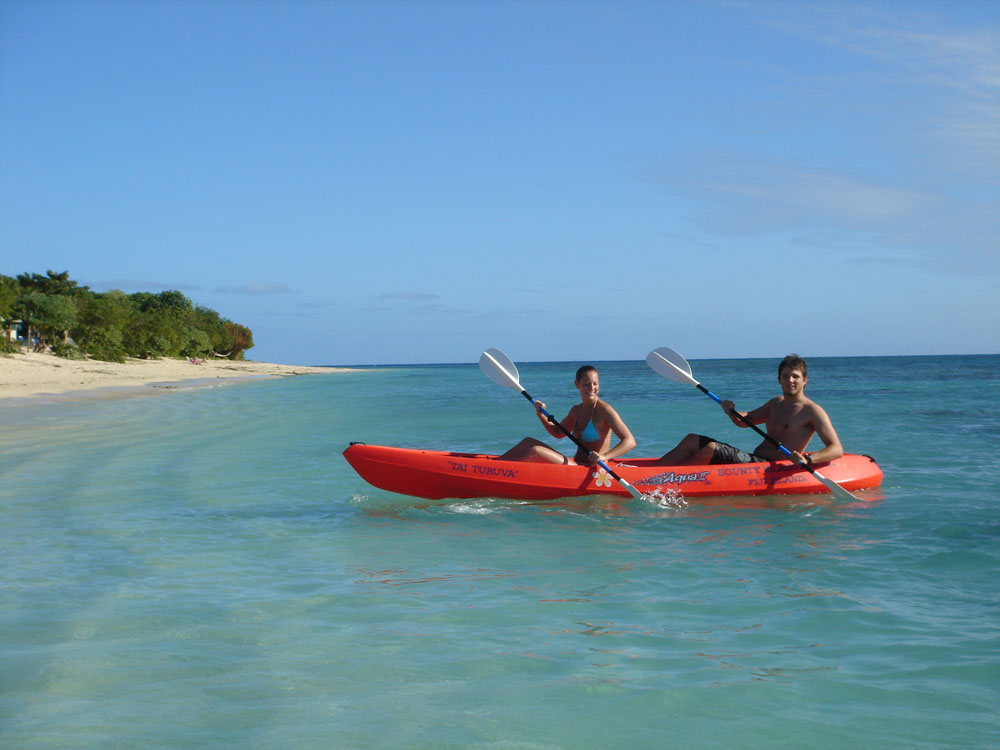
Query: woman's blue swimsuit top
{"points": [[589, 434]]}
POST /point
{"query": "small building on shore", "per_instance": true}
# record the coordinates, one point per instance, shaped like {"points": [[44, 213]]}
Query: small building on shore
{"points": [[10, 330]]}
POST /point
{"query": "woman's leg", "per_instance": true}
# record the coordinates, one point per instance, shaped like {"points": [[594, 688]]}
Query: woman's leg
{"points": [[531, 449]]}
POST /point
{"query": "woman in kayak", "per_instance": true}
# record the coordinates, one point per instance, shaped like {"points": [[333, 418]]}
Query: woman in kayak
{"points": [[592, 421]]}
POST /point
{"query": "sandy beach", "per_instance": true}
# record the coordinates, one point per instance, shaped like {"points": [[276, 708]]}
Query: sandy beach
{"points": [[28, 375]]}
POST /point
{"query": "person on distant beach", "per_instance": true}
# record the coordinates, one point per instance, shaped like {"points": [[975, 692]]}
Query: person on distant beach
{"points": [[791, 418], [592, 421]]}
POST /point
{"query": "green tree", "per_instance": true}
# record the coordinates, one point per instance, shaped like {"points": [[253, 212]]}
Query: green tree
{"points": [[210, 322], [241, 337], [114, 325], [151, 334], [54, 284], [51, 316], [175, 302], [101, 323], [160, 329], [8, 298], [198, 344], [8, 295]]}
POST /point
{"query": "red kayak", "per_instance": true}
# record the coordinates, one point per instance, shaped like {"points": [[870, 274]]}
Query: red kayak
{"points": [[442, 474]]}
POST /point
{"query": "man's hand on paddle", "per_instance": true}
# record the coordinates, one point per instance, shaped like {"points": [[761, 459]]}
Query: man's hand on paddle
{"points": [[730, 408]]}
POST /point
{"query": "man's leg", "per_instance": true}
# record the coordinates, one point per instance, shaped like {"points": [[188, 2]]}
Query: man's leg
{"points": [[693, 449]]}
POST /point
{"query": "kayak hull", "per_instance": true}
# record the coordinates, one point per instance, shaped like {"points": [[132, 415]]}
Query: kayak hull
{"points": [[436, 475]]}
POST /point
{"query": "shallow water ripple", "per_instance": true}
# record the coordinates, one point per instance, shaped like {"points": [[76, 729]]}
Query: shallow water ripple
{"points": [[202, 569]]}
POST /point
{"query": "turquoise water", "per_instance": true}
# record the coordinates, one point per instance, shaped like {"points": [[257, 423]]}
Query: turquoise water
{"points": [[201, 568]]}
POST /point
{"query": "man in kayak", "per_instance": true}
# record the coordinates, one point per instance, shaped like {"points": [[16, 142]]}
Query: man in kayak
{"points": [[592, 421], [792, 419]]}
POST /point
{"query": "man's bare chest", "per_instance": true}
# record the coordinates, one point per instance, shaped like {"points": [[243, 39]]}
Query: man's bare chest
{"points": [[788, 418]]}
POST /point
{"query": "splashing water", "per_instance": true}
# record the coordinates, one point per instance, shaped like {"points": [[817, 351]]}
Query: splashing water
{"points": [[670, 498]]}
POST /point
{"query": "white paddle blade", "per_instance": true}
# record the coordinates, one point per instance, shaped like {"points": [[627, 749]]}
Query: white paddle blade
{"points": [[839, 492], [670, 364], [631, 490], [497, 367]]}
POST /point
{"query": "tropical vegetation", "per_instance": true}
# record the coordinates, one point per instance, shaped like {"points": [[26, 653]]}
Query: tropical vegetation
{"points": [[53, 312]]}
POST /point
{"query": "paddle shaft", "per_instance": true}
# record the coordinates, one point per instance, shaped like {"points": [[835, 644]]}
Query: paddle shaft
{"points": [[750, 424], [624, 483], [830, 484], [510, 380], [677, 368]]}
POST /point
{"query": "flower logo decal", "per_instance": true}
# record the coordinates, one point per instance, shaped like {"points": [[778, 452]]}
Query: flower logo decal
{"points": [[602, 478]]}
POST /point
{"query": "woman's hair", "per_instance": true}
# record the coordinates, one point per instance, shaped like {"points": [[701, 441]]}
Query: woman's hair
{"points": [[583, 371]]}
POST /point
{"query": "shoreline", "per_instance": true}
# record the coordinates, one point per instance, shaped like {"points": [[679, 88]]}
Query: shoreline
{"points": [[33, 376]]}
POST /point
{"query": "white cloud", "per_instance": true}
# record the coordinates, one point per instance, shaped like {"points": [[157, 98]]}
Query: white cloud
{"points": [[914, 108], [734, 195], [740, 195], [255, 288], [957, 68], [409, 296]]}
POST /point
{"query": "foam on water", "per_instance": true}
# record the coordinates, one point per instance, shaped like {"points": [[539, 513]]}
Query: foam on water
{"points": [[669, 498]]}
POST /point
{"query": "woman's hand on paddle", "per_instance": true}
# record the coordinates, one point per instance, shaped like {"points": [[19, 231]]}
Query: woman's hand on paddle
{"points": [[542, 413], [593, 457]]}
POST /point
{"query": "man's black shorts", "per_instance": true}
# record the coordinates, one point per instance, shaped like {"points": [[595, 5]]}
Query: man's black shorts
{"points": [[728, 454]]}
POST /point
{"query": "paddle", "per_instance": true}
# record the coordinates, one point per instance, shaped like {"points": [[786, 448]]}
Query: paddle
{"points": [[497, 367], [670, 364]]}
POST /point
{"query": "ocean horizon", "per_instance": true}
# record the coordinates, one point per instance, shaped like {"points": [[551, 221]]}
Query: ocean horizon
{"points": [[201, 568], [518, 362]]}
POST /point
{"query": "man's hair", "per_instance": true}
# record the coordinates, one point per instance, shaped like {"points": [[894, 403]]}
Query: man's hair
{"points": [[795, 362], [583, 371]]}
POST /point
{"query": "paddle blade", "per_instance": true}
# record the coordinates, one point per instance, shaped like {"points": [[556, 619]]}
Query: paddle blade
{"points": [[839, 492], [670, 364], [498, 367]]}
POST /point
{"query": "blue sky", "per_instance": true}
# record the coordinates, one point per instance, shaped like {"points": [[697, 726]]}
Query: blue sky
{"points": [[406, 182]]}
